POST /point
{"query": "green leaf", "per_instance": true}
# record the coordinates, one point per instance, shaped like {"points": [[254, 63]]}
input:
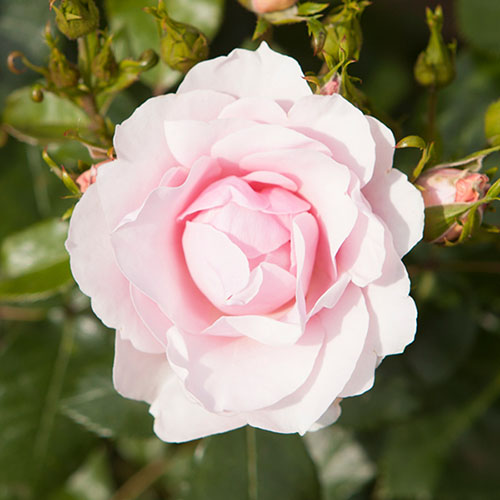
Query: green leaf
{"points": [[35, 264], [261, 28], [494, 190], [478, 22], [135, 31], [250, 464], [40, 447], [411, 141], [311, 8], [44, 122], [343, 465], [441, 217], [40, 245], [97, 406]]}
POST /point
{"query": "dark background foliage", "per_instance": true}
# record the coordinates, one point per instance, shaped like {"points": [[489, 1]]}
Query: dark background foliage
{"points": [[429, 429]]}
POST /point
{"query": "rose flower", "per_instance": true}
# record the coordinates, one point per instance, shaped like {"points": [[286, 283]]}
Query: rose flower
{"points": [[246, 245]]}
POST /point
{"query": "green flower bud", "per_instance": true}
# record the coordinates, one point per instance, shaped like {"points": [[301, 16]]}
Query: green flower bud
{"points": [[492, 123], [76, 18], [37, 93], [104, 65], [181, 45], [342, 37], [62, 73], [435, 66]]}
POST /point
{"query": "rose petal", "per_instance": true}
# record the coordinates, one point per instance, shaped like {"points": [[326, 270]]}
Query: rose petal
{"points": [[391, 196], [222, 373], [263, 73], [258, 109], [138, 375], [335, 122], [345, 327], [179, 418], [95, 270]]}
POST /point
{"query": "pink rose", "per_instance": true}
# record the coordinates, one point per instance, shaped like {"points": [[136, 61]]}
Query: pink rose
{"points": [[264, 6], [446, 186], [246, 245], [88, 177]]}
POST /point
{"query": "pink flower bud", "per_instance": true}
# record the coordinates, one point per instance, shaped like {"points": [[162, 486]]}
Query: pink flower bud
{"points": [[446, 186], [89, 176], [263, 6]]}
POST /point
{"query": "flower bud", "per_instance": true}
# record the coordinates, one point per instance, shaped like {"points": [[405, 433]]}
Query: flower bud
{"points": [[181, 45], [492, 123], [76, 18], [264, 6], [435, 66], [343, 38], [104, 65], [448, 187], [62, 73], [88, 177]]}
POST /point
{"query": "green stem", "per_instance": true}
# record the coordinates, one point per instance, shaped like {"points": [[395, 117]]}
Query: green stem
{"points": [[431, 115], [252, 463]]}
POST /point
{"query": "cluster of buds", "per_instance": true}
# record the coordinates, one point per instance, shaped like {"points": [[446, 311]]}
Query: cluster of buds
{"points": [[181, 45], [76, 18], [435, 66], [451, 197]]}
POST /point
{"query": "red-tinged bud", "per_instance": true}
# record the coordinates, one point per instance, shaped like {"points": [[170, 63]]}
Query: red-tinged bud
{"points": [[88, 177], [447, 194], [264, 6]]}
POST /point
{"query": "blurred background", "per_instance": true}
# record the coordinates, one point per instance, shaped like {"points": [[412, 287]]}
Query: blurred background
{"points": [[429, 429]]}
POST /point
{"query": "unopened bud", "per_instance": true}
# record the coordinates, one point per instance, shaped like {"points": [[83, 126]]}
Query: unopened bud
{"points": [[104, 65], [181, 45], [492, 123], [435, 66], [76, 18], [447, 188], [89, 176], [62, 73], [37, 93], [343, 38], [264, 6]]}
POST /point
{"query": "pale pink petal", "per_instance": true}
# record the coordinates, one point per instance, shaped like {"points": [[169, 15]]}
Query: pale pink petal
{"points": [[179, 418], [240, 374], [335, 122], [219, 267], [95, 269], [266, 177], [149, 251], [391, 196], [345, 328], [264, 329], [258, 109], [245, 73], [363, 376], [137, 375], [329, 417], [322, 182], [392, 311], [151, 315], [363, 253], [263, 138]]}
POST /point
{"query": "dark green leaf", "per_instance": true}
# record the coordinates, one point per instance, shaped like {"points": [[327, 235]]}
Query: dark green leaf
{"points": [[39, 246], [478, 22], [250, 464], [494, 190], [44, 122], [440, 217], [311, 8], [261, 28], [99, 408]]}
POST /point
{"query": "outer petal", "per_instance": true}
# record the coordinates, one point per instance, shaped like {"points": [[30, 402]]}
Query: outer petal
{"points": [[240, 374], [179, 418], [391, 196], [95, 270], [245, 73], [138, 375], [393, 313], [335, 122], [346, 328]]}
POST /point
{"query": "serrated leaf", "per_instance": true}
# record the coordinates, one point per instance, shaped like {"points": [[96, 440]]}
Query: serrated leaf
{"points": [[44, 122], [135, 31], [40, 245], [97, 406], [439, 218], [253, 464]]}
